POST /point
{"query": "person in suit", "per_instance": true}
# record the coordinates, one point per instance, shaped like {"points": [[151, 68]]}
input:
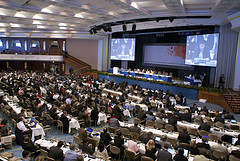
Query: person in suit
{"points": [[86, 148], [219, 147], [28, 145], [105, 136], [184, 137], [163, 154], [193, 148], [119, 142], [204, 109], [186, 116], [56, 152], [173, 121], [65, 122], [228, 116], [204, 126], [135, 128], [150, 149], [219, 119], [201, 52], [179, 156], [94, 114], [221, 82], [203, 144]]}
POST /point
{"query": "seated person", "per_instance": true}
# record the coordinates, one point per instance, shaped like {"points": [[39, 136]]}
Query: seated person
{"points": [[179, 156], [65, 122], [228, 116], [105, 136], [163, 154], [163, 141], [86, 148], [25, 155], [203, 144], [193, 148], [184, 137], [21, 126], [135, 128], [119, 142], [205, 127], [194, 109], [72, 154], [204, 109], [186, 116], [219, 119], [219, 147], [101, 151], [29, 145], [56, 152], [148, 137], [151, 117], [132, 145], [114, 122], [150, 149]]}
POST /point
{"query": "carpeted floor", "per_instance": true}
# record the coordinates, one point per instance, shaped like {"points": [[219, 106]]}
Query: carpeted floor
{"points": [[57, 134]]}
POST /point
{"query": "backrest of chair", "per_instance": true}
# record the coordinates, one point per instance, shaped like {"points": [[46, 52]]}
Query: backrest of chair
{"points": [[192, 131], [219, 124], [129, 154], [234, 127], [213, 137], [114, 149], [169, 127], [125, 131], [172, 141], [202, 132], [198, 121], [183, 145], [145, 158], [43, 153], [59, 123], [203, 151], [209, 123], [49, 159], [6, 139], [218, 154], [137, 120], [203, 113], [92, 141], [179, 128], [157, 125], [150, 123], [233, 158], [77, 140], [111, 130]]}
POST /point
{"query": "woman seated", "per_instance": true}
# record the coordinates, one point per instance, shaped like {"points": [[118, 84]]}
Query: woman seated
{"points": [[101, 151], [151, 149], [5, 131], [132, 145]]}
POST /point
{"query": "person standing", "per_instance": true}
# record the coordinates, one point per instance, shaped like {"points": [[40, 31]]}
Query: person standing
{"points": [[221, 82]]}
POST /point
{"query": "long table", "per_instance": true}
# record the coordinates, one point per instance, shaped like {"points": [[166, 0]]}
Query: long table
{"points": [[192, 82]]}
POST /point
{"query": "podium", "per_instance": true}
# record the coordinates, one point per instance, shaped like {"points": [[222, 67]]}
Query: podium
{"points": [[115, 70]]}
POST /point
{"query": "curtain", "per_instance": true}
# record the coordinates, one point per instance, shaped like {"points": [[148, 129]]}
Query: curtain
{"points": [[227, 51]]}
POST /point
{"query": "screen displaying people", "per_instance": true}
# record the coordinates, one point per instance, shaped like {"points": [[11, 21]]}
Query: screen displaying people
{"points": [[202, 50], [123, 49]]}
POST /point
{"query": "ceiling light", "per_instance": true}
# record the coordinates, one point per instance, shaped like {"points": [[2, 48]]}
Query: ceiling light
{"points": [[2, 14], [36, 23], [40, 27], [37, 17], [14, 25], [62, 28], [19, 15], [124, 27], [134, 4], [134, 27], [78, 15], [2, 25], [62, 24], [46, 10]]}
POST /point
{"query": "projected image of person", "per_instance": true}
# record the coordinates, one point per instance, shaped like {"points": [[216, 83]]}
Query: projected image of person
{"points": [[201, 52], [123, 49]]}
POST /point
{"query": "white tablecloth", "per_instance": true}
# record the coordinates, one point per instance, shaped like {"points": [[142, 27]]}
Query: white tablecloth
{"points": [[126, 113], [73, 124], [102, 117], [143, 106], [13, 105], [112, 91], [36, 131]]}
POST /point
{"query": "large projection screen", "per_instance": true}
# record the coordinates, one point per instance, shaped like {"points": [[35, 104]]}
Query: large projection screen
{"points": [[123, 49], [202, 50], [165, 54]]}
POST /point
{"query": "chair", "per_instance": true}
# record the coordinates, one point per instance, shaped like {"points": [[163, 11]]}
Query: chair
{"points": [[204, 151], [158, 126], [92, 141], [164, 101], [130, 155], [198, 121], [202, 132], [154, 105], [111, 130], [172, 141], [125, 131], [183, 145], [60, 124], [179, 128], [49, 159], [150, 124], [217, 154], [209, 123], [213, 137], [169, 127], [43, 153], [192, 131], [115, 150], [137, 120], [234, 127], [77, 140], [233, 158], [203, 113], [219, 124], [145, 158], [7, 140]]}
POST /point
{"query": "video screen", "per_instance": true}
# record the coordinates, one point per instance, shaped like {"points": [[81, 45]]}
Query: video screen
{"points": [[123, 49], [202, 50]]}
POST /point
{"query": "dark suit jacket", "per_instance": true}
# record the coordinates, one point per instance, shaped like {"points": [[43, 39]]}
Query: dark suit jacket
{"points": [[164, 155], [119, 142], [30, 147], [219, 119], [87, 149], [184, 138], [205, 127], [106, 138], [56, 153], [64, 119], [203, 145], [179, 158], [151, 153]]}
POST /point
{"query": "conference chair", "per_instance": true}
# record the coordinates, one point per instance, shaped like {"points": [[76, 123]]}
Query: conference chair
{"points": [[203, 113], [192, 131], [145, 158], [233, 158], [60, 125], [150, 124], [112, 130], [213, 137], [115, 150], [179, 128], [172, 141], [7, 140], [204, 151], [202, 132], [77, 140], [92, 141], [43, 153], [209, 123], [169, 127], [219, 125], [234, 127], [137, 120], [130, 155], [198, 121], [217, 154], [125, 132], [158, 126], [183, 145]]}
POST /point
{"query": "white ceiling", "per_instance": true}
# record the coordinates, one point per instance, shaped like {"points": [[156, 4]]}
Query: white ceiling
{"points": [[76, 16]]}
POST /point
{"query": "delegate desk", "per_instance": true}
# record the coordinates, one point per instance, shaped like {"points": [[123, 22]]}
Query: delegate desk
{"points": [[145, 75], [192, 82]]}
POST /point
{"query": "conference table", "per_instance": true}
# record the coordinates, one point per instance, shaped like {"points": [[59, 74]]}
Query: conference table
{"points": [[144, 75], [195, 82]]}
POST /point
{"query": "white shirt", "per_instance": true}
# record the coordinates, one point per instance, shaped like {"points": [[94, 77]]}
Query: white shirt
{"points": [[21, 126], [68, 101]]}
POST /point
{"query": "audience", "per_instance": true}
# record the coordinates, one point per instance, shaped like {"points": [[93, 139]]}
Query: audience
{"points": [[135, 128], [119, 142], [56, 152], [184, 137]]}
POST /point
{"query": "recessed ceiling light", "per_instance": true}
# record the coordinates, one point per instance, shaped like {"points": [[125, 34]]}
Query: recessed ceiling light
{"points": [[62, 24], [36, 23], [79, 15], [62, 28], [2, 25], [40, 27], [19, 15], [14, 25], [46, 10], [37, 17], [1, 13]]}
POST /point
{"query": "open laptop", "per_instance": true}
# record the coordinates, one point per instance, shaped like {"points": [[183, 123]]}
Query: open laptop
{"points": [[157, 138], [172, 151]]}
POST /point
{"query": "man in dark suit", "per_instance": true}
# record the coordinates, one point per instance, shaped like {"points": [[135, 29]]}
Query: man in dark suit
{"points": [[205, 127], [65, 122], [119, 142], [219, 119], [186, 116], [163, 154], [184, 137], [56, 152], [86, 148], [201, 52], [135, 128], [173, 121], [29, 146], [105, 136]]}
